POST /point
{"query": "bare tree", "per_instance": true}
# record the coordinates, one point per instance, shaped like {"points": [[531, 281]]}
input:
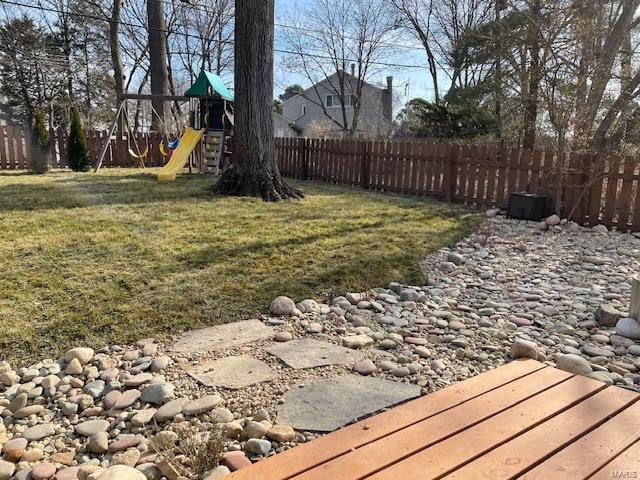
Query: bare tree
{"points": [[254, 171], [418, 17], [204, 36], [340, 43]]}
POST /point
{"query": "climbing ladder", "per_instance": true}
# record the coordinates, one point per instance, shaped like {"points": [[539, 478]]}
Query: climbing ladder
{"points": [[213, 151]]}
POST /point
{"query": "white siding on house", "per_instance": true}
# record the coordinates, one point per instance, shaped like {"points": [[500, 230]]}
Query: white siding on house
{"points": [[319, 107]]}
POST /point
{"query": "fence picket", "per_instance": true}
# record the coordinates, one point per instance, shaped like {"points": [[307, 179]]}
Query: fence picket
{"points": [[613, 169], [597, 190], [624, 207]]}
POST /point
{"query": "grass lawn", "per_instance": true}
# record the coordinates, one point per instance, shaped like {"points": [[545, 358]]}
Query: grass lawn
{"points": [[110, 258]]}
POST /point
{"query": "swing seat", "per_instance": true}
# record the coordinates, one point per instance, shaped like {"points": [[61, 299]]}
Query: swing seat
{"points": [[171, 145], [140, 156]]}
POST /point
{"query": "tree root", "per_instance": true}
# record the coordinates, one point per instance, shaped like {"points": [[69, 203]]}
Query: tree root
{"points": [[268, 187]]}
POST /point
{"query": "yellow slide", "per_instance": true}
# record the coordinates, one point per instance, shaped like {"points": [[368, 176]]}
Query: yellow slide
{"points": [[180, 157]]}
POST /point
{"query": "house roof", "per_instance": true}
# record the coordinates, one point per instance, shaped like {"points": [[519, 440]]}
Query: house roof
{"points": [[209, 84], [328, 79]]}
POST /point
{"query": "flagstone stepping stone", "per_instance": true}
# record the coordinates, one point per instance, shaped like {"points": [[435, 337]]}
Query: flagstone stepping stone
{"points": [[326, 405], [222, 336], [309, 353], [232, 372], [90, 427], [38, 432]]}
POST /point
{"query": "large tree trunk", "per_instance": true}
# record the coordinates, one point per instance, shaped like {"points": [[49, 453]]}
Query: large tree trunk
{"points": [[158, 61], [535, 75], [254, 171], [114, 48]]}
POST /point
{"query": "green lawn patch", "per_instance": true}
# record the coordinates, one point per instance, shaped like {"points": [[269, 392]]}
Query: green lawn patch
{"points": [[110, 258]]}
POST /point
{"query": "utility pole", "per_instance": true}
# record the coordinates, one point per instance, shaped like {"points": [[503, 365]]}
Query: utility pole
{"points": [[158, 61]]}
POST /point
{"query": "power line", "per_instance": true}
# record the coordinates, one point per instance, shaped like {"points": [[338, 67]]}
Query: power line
{"points": [[200, 37], [298, 28]]}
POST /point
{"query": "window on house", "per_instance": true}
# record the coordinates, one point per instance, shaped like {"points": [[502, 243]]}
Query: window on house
{"points": [[304, 109], [334, 101]]}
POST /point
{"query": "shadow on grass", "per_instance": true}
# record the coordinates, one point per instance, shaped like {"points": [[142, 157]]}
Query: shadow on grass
{"points": [[77, 190], [80, 192]]}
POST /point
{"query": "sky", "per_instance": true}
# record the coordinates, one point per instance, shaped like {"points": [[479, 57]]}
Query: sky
{"points": [[408, 82]]}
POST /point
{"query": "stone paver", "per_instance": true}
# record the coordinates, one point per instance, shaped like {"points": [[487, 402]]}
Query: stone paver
{"points": [[326, 405], [232, 372], [222, 336], [309, 353]]}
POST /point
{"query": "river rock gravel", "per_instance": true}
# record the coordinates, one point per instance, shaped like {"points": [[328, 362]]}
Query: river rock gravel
{"points": [[550, 291]]}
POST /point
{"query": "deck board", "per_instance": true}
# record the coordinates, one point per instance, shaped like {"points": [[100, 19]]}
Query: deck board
{"points": [[592, 451], [522, 420], [510, 459], [628, 462], [456, 451], [306, 456], [387, 450]]}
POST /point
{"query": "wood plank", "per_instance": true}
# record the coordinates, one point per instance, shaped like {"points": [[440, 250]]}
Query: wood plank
{"points": [[591, 452], [386, 451], [21, 157], [353, 154], [512, 175], [612, 191], [429, 168], [501, 172], [624, 203], [462, 172], [373, 165], [481, 194], [512, 458], [472, 175], [447, 455], [422, 169], [438, 168], [492, 173], [309, 455], [395, 162], [595, 200], [11, 157], [415, 165], [329, 160], [628, 462], [4, 161]]}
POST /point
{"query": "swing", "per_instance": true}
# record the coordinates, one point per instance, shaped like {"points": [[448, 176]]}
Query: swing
{"points": [[171, 145], [135, 154]]}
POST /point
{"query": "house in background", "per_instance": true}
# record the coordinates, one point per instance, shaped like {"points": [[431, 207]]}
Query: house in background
{"points": [[283, 127], [318, 110]]}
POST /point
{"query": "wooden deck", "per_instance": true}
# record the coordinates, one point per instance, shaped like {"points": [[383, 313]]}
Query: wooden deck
{"points": [[522, 420]]}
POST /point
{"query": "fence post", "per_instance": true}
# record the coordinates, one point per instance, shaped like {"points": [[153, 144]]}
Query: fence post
{"points": [[450, 179], [364, 164], [304, 158]]}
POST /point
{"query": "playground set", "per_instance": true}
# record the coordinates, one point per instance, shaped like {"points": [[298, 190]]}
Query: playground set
{"points": [[205, 145]]}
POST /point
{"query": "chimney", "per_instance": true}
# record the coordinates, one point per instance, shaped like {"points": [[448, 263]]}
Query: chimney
{"points": [[387, 100], [353, 69]]}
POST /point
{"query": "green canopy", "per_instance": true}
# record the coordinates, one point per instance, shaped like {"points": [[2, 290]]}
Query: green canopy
{"points": [[201, 87]]}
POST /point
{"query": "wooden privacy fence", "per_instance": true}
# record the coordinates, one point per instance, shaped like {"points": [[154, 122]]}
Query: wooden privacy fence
{"points": [[592, 189], [15, 149]]}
